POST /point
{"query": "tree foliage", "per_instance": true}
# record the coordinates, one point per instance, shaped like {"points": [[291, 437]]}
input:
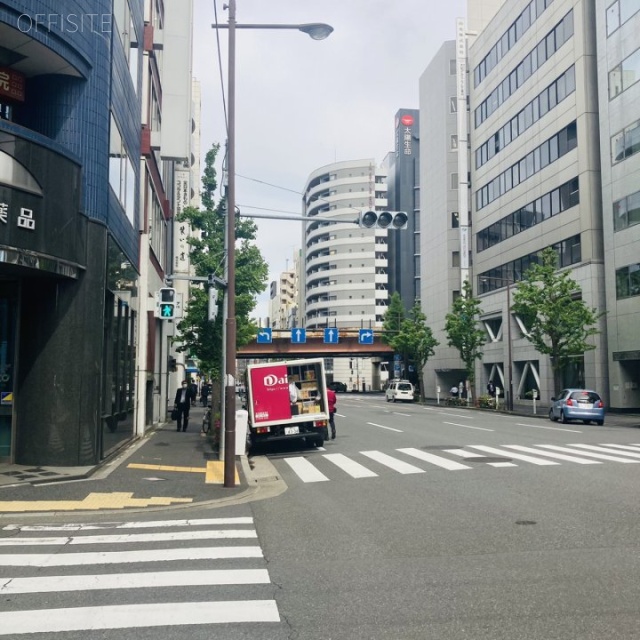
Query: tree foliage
{"points": [[414, 339], [558, 322], [461, 327], [199, 336]]}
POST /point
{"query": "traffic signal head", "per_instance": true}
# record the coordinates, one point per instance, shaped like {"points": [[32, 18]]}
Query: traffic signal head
{"points": [[173, 364], [167, 303], [383, 220]]}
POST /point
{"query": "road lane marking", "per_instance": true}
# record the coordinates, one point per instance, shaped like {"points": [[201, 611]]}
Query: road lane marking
{"points": [[126, 557], [353, 468], [456, 415], [162, 614], [146, 524], [599, 456], [468, 454], [558, 456], [630, 447], [408, 415], [537, 426], [451, 465], [305, 470], [215, 534], [392, 463], [373, 424], [164, 467], [517, 456], [591, 447], [467, 426], [149, 579]]}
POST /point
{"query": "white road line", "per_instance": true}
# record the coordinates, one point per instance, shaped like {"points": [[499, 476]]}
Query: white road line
{"points": [[599, 456], [451, 465], [151, 579], [305, 470], [125, 557], [161, 614], [207, 522], [373, 424], [537, 426], [517, 456], [132, 538], [629, 447], [591, 447], [468, 454], [378, 406], [397, 413], [456, 415], [558, 456], [392, 463], [353, 468], [467, 426]]}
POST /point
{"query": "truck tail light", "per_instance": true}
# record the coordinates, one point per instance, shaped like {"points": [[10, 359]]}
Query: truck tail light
{"points": [[262, 429], [319, 423]]}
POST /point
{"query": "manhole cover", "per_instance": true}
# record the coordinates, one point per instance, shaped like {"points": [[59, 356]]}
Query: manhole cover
{"points": [[486, 459]]}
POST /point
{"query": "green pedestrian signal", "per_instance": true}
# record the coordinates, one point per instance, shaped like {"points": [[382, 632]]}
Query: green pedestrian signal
{"points": [[167, 303]]}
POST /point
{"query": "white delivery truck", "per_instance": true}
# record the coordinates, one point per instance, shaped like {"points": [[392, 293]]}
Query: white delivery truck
{"points": [[287, 400]]}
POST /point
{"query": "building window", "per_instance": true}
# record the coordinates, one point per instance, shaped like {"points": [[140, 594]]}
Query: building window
{"points": [[455, 259], [625, 143], [453, 104], [624, 75], [453, 181], [619, 12], [122, 176], [455, 220], [626, 211], [628, 281]]}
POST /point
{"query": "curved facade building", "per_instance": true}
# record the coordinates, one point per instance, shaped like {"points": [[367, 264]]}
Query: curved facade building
{"points": [[345, 267]]}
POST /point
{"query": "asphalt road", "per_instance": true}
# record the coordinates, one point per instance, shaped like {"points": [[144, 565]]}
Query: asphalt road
{"points": [[415, 523]]}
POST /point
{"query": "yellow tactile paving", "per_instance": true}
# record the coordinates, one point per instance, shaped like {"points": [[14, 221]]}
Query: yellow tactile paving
{"points": [[163, 467], [92, 502], [215, 472]]}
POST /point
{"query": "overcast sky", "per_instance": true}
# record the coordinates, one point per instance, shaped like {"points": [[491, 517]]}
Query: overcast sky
{"points": [[302, 104]]}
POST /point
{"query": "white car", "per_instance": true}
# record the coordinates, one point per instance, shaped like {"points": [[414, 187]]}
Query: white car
{"points": [[400, 390]]}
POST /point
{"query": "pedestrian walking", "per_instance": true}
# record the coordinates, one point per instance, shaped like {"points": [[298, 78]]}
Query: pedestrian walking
{"points": [[184, 398], [332, 400], [491, 388]]}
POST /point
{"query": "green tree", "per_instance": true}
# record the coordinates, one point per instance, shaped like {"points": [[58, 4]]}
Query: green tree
{"points": [[199, 336], [461, 327], [558, 321], [391, 323], [416, 340]]}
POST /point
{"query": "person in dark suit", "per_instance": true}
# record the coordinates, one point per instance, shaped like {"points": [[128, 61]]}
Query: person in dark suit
{"points": [[184, 398]]}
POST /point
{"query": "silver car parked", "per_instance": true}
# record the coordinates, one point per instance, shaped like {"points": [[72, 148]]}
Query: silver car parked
{"points": [[577, 404]]}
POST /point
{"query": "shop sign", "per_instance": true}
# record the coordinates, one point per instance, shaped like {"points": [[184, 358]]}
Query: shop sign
{"points": [[11, 84]]}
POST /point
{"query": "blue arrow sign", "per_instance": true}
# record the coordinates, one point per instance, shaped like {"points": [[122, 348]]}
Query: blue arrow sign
{"points": [[264, 336], [331, 336], [298, 335], [365, 336]]}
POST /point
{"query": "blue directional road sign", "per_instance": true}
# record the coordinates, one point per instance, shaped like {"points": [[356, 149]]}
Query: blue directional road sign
{"points": [[298, 335], [365, 336], [331, 336], [264, 336]]}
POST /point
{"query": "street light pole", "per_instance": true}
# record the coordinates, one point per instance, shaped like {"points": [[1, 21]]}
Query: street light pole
{"points": [[509, 354], [317, 31], [230, 347]]}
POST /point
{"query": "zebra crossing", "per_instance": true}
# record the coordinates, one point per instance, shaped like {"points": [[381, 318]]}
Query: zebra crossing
{"points": [[371, 464], [148, 574]]}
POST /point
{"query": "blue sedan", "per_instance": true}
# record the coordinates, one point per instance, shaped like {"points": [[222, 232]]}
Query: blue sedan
{"points": [[577, 404]]}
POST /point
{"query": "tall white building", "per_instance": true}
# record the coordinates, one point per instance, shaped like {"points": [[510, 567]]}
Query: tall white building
{"points": [[618, 62], [344, 266]]}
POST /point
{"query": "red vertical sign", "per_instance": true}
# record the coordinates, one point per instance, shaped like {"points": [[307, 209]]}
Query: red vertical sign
{"points": [[270, 394]]}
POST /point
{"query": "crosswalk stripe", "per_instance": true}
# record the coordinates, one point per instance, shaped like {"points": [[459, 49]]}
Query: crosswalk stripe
{"points": [[204, 522], [599, 456], [591, 447], [629, 447], [353, 468], [305, 470], [125, 557], [133, 538], [469, 454], [55, 584], [392, 463], [451, 465], [160, 614], [517, 456], [559, 456]]}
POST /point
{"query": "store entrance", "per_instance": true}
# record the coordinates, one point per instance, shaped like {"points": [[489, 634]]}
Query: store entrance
{"points": [[8, 312]]}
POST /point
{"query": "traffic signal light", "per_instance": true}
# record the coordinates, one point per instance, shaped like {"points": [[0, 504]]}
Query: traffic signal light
{"points": [[167, 303], [173, 364], [383, 220]]}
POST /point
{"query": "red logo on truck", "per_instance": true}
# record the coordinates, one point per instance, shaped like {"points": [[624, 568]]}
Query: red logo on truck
{"points": [[270, 394]]}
